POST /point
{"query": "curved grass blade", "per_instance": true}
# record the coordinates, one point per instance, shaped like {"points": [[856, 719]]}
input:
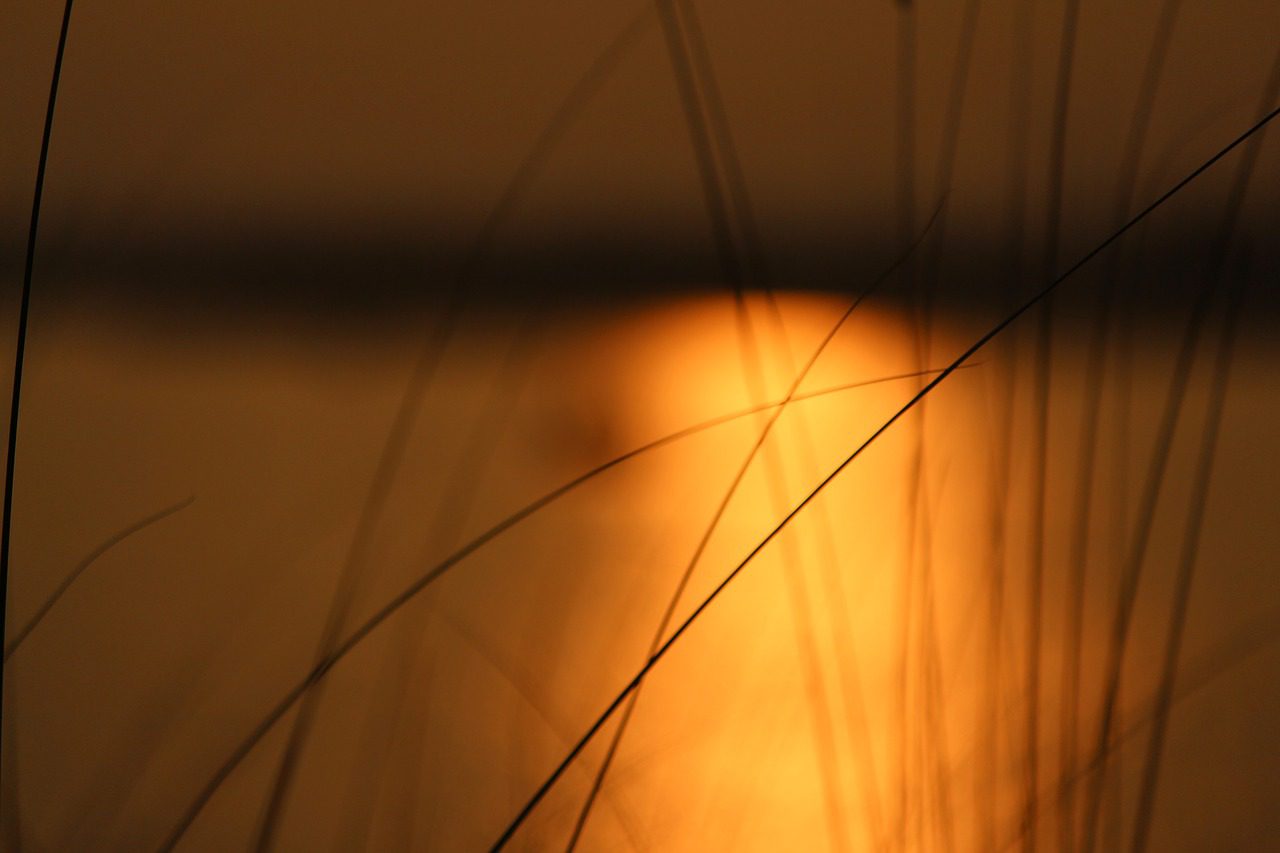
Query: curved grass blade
{"points": [[1226, 656], [1135, 145], [1132, 570], [674, 600], [24, 312], [89, 559], [1192, 528], [441, 568], [968, 353], [396, 444]]}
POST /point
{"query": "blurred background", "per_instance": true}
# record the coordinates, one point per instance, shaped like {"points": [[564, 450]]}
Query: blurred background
{"points": [[456, 353]]}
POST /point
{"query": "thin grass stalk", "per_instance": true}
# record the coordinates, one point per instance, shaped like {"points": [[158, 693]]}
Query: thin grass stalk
{"points": [[1192, 529], [960, 360], [1144, 522], [438, 570], [1135, 145], [9, 795], [88, 560], [1040, 435], [904, 170], [1017, 166], [678, 593]]}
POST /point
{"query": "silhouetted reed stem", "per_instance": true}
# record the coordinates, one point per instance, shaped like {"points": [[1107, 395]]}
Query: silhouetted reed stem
{"points": [[964, 356], [1145, 518], [1077, 566]]}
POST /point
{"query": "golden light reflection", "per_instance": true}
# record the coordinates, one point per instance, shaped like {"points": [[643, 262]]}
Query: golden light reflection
{"points": [[861, 684]]}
